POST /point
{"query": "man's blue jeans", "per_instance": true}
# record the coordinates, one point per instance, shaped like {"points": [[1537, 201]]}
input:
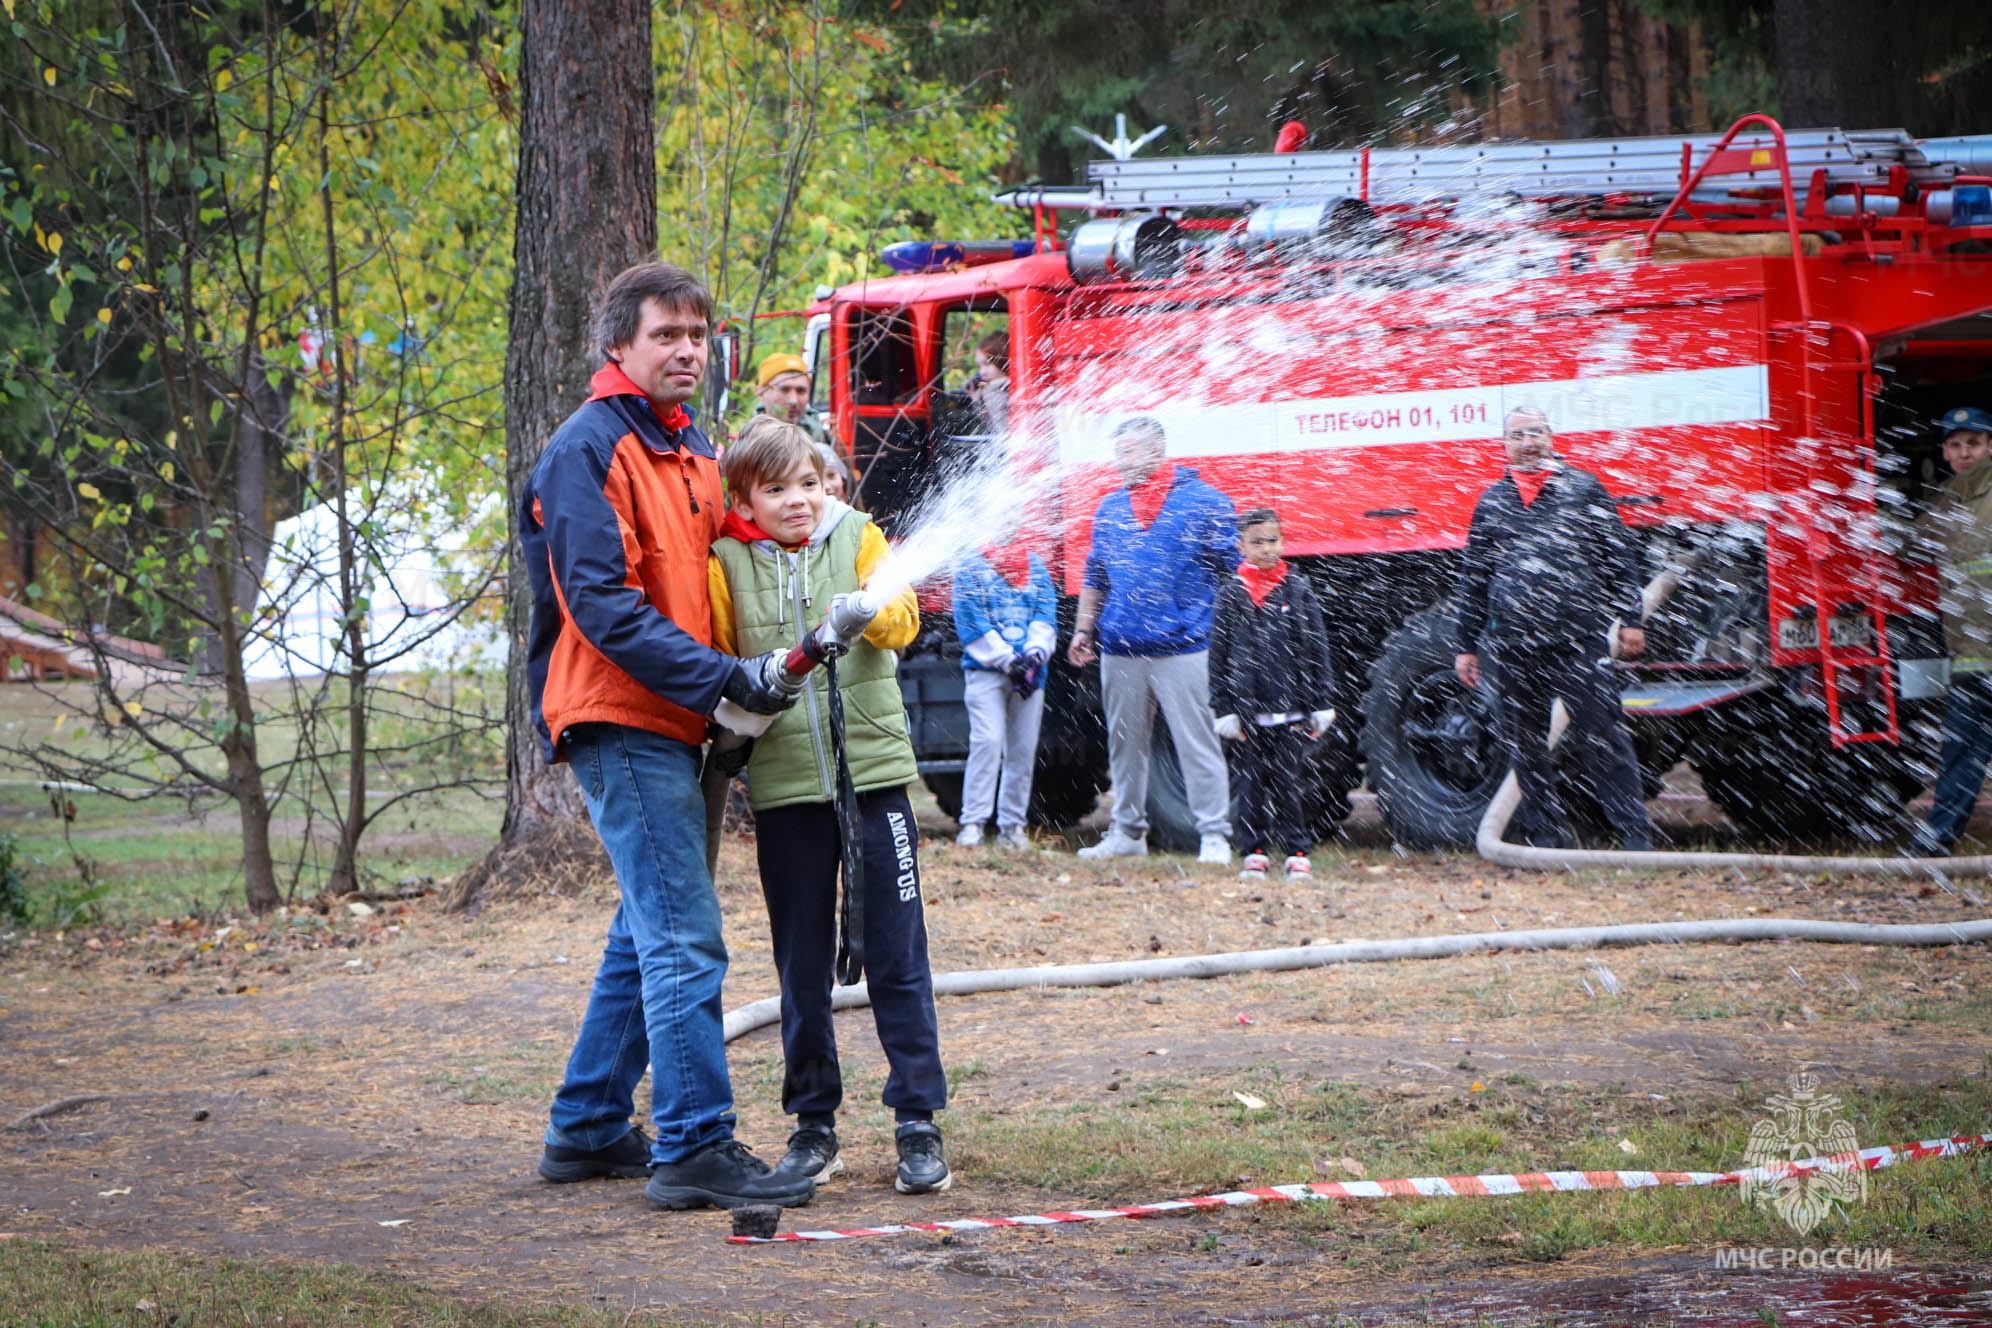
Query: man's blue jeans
{"points": [[1967, 747], [656, 1000]]}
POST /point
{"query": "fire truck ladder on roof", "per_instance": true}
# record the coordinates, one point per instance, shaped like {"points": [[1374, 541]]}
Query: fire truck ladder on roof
{"points": [[1532, 169]]}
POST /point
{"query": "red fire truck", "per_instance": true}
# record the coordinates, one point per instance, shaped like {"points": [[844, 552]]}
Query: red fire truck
{"points": [[1746, 337]]}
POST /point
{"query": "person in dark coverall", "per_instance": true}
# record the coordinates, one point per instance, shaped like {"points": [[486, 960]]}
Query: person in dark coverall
{"points": [[620, 509], [1272, 688], [1548, 566]]}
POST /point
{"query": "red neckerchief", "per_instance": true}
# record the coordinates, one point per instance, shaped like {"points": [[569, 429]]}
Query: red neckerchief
{"points": [[1260, 581], [1147, 497], [1012, 563], [741, 528], [1530, 482], [611, 381]]}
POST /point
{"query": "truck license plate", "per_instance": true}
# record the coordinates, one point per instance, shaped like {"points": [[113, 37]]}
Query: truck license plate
{"points": [[1852, 631]]}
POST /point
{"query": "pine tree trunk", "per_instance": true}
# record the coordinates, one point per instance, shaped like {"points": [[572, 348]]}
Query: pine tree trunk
{"points": [[1839, 63], [587, 208]]}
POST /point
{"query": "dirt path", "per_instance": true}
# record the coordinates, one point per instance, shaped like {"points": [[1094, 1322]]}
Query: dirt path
{"points": [[287, 1100]]}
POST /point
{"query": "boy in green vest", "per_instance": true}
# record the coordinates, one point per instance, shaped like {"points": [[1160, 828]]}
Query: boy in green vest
{"points": [[785, 550]]}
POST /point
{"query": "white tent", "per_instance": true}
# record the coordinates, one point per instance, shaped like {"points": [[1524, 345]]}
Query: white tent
{"points": [[416, 570]]}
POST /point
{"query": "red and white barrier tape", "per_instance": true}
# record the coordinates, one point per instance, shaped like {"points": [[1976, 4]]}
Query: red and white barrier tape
{"points": [[1867, 1159]]}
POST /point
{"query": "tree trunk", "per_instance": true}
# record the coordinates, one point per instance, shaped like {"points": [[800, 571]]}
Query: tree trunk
{"points": [[1843, 63], [587, 209]]}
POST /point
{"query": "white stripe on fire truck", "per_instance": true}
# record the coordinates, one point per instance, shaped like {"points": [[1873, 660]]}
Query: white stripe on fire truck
{"points": [[1734, 394]]}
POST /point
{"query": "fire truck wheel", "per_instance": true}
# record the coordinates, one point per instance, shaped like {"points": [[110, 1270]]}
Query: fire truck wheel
{"points": [[1434, 748], [1832, 799], [1059, 797], [1062, 795], [1172, 827], [947, 793]]}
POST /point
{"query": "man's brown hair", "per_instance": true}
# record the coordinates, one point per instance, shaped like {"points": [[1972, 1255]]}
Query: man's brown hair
{"points": [[620, 312], [767, 449]]}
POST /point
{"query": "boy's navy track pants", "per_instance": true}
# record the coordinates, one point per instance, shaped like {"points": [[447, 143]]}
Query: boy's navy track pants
{"points": [[799, 852]]}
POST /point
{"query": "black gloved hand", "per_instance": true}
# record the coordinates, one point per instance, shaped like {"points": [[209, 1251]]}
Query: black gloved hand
{"points": [[1026, 673], [761, 685]]}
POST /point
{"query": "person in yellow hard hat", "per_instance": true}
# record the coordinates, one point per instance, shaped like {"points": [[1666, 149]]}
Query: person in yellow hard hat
{"points": [[782, 384]]}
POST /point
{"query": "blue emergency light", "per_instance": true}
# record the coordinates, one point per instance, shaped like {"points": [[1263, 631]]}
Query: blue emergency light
{"points": [[909, 256]]}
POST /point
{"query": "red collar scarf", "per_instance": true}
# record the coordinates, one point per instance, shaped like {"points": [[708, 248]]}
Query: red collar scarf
{"points": [[1260, 581], [1530, 482], [1147, 497], [611, 381], [741, 528], [1012, 563]]}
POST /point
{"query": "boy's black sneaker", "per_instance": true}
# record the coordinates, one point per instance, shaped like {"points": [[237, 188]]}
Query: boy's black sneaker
{"points": [[724, 1175], [923, 1166], [812, 1152], [624, 1159]]}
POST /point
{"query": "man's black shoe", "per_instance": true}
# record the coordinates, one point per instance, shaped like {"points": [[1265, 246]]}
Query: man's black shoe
{"points": [[812, 1152], [1924, 845], [923, 1167], [627, 1157], [724, 1175]]}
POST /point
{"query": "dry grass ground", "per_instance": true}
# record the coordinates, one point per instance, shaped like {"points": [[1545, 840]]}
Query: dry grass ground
{"points": [[282, 1091]]}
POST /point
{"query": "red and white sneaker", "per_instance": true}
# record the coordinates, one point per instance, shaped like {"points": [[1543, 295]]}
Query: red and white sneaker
{"points": [[1298, 868], [1255, 867]]}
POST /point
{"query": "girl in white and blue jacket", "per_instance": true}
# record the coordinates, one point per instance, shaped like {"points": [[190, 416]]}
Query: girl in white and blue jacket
{"points": [[1006, 614]]}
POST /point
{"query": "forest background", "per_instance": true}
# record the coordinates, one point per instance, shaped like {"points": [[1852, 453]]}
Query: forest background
{"points": [[257, 258]]}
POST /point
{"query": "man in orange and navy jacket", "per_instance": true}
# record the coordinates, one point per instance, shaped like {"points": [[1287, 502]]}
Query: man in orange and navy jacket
{"points": [[615, 527]]}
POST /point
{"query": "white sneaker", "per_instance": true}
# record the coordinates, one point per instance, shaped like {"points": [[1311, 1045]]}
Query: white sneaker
{"points": [[1015, 840], [970, 836], [1215, 849], [1298, 868], [1117, 845], [1255, 866]]}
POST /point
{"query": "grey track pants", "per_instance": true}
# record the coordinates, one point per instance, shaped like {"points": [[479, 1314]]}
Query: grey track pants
{"points": [[1132, 689], [1002, 740]]}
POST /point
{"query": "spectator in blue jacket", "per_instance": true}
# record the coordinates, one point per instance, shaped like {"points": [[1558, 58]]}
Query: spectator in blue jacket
{"points": [[1006, 614], [1161, 545]]}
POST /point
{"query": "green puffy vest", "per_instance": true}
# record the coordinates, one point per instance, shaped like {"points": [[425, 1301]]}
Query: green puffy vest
{"points": [[778, 596]]}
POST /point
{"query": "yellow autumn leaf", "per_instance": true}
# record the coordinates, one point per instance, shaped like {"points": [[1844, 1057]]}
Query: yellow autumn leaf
{"points": [[89, 490], [48, 75], [124, 265], [104, 316], [133, 708], [54, 242], [9, 6]]}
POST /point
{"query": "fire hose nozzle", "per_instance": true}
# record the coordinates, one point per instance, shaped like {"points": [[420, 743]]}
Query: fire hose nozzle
{"points": [[840, 629], [849, 615]]}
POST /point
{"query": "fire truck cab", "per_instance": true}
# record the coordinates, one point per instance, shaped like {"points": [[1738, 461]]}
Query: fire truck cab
{"points": [[1746, 337]]}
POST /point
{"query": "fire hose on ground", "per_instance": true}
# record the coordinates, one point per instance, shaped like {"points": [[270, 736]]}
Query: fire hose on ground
{"points": [[1488, 843], [967, 983], [854, 995]]}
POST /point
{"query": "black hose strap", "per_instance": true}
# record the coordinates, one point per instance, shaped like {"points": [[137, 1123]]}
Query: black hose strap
{"points": [[851, 834]]}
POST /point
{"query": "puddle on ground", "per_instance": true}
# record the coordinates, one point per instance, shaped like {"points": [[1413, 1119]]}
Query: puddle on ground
{"points": [[1679, 1297]]}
